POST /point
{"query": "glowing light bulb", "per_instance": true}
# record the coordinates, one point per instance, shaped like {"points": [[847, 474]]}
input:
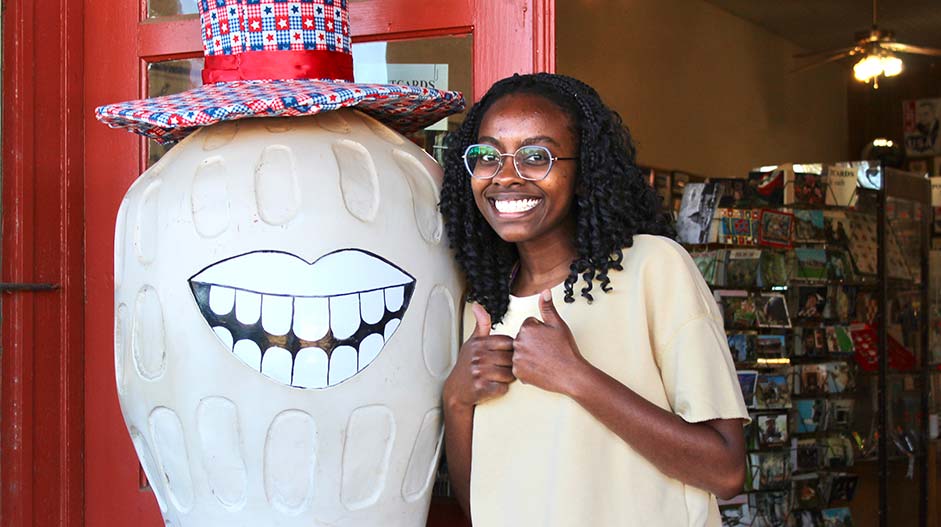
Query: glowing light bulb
{"points": [[891, 65], [867, 68]]}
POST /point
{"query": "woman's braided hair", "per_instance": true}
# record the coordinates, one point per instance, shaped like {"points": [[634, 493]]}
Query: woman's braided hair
{"points": [[612, 200]]}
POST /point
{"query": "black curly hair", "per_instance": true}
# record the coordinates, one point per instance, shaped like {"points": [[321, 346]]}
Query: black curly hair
{"points": [[612, 200]]}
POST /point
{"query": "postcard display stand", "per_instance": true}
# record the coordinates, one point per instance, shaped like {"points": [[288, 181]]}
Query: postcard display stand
{"points": [[819, 272]]}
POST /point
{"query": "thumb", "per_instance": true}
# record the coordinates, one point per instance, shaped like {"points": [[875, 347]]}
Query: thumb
{"points": [[547, 309], [483, 320]]}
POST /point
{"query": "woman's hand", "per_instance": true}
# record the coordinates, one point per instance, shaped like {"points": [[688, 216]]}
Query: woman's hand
{"points": [[484, 366], [545, 353]]}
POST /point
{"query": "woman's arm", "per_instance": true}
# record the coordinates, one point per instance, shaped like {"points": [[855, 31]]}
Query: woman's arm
{"points": [[483, 371], [709, 455], [458, 432]]}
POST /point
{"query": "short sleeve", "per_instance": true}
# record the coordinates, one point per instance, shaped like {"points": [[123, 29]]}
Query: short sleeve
{"points": [[688, 337], [698, 374]]}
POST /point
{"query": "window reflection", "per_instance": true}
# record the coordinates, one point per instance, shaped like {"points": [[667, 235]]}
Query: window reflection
{"points": [[443, 63], [159, 8], [165, 78]]}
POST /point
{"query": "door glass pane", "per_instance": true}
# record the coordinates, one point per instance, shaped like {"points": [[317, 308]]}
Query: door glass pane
{"points": [[904, 385], [443, 63], [159, 8], [165, 78]]}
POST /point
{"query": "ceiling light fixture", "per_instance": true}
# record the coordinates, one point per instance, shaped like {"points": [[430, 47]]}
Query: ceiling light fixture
{"points": [[876, 50], [875, 65]]}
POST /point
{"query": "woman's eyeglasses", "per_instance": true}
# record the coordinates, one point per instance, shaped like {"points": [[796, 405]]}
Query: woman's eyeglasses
{"points": [[531, 162]]}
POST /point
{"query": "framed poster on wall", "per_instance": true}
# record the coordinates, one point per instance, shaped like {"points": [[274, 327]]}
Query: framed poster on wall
{"points": [[922, 126]]}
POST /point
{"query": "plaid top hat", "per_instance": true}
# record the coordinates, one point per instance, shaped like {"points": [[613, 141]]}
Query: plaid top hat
{"points": [[269, 58]]}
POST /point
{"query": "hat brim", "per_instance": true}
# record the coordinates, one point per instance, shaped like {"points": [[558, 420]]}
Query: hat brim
{"points": [[170, 118]]}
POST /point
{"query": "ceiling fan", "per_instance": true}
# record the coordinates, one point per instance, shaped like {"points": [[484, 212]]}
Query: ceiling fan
{"points": [[876, 47]]}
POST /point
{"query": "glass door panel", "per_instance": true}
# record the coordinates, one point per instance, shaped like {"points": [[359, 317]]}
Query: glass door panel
{"points": [[163, 8], [166, 78], [442, 63]]}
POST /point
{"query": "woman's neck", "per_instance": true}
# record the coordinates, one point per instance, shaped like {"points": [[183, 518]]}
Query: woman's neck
{"points": [[544, 263]]}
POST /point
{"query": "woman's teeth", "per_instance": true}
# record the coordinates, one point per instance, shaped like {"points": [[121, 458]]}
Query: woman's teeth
{"points": [[515, 205]]}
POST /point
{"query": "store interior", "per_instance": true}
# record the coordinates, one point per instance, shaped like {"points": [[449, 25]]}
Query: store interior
{"points": [[709, 92]]}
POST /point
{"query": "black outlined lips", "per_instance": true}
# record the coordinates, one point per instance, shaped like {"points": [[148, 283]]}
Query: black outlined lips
{"points": [[307, 325]]}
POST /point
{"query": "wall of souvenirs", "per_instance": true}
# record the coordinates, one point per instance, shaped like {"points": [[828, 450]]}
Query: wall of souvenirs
{"points": [[791, 253]]}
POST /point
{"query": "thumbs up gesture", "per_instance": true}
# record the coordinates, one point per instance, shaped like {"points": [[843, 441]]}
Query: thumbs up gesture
{"points": [[544, 352], [484, 365]]}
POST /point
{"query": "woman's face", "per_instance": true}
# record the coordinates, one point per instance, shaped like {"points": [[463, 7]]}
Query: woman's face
{"points": [[532, 210]]}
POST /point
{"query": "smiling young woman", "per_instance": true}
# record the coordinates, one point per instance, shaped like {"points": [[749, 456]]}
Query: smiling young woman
{"points": [[587, 410]]}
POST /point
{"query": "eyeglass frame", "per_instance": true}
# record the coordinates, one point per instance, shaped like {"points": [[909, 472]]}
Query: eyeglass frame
{"points": [[552, 160]]}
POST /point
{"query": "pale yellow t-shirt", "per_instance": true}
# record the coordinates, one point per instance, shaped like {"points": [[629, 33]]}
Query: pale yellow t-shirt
{"points": [[540, 460]]}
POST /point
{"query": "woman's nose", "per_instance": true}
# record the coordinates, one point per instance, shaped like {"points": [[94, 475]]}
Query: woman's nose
{"points": [[507, 174]]}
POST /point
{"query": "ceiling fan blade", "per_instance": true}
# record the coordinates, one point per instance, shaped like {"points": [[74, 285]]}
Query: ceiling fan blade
{"points": [[821, 54], [906, 48], [832, 58]]}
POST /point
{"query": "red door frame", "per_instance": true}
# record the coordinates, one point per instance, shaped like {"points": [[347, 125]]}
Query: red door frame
{"points": [[63, 178], [42, 362]]}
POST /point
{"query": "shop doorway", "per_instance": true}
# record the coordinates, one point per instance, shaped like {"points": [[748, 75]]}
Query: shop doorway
{"points": [[478, 41]]}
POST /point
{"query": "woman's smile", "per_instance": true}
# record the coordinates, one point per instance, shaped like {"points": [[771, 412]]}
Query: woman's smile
{"points": [[509, 206]]}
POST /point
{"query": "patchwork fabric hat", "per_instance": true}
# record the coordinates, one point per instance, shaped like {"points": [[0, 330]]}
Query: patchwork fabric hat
{"points": [[270, 58]]}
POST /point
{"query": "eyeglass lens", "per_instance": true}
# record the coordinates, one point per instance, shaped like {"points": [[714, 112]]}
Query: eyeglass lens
{"points": [[484, 161]]}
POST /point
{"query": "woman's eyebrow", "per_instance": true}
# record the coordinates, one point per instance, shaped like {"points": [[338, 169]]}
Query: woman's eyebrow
{"points": [[488, 139], [540, 139], [528, 141]]}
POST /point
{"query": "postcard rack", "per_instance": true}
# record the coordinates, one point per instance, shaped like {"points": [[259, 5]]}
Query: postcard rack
{"points": [[820, 271]]}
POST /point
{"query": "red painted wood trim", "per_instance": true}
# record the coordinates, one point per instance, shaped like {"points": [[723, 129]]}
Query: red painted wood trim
{"points": [[113, 160], [42, 403], [544, 35], [16, 424], [169, 38], [503, 43], [410, 35], [390, 17]]}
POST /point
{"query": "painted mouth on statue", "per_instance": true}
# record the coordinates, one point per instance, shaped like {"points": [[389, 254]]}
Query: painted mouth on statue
{"points": [[307, 325]]}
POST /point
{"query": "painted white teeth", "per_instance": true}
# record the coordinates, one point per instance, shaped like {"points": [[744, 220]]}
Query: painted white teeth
{"points": [[390, 328], [369, 349], [342, 364], [395, 296], [311, 318], [247, 307], [310, 368], [276, 314], [221, 299], [277, 364], [344, 318], [249, 353], [279, 295], [372, 306], [224, 335], [515, 205]]}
